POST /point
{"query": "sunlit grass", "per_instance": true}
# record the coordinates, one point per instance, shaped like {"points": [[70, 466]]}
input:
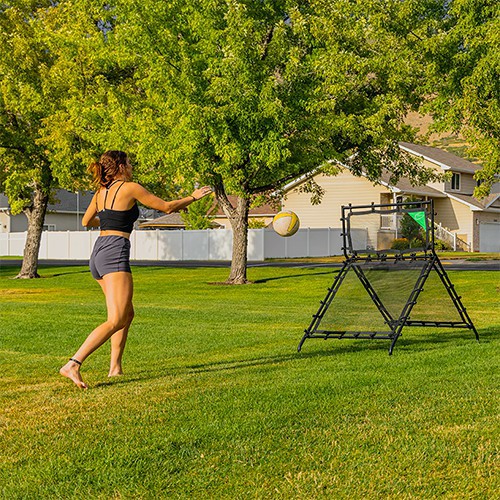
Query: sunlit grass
{"points": [[217, 403]]}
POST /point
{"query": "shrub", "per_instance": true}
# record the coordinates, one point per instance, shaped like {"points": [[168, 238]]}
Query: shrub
{"points": [[440, 245], [256, 223], [417, 243], [410, 229], [400, 244]]}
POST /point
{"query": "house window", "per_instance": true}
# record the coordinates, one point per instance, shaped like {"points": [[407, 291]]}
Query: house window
{"points": [[455, 182], [49, 227]]}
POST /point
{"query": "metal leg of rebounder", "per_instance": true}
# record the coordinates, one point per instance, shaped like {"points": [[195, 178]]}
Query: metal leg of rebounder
{"points": [[325, 304], [456, 299]]}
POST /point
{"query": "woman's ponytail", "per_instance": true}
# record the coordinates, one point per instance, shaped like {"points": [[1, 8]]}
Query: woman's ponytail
{"points": [[96, 170], [107, 168]]}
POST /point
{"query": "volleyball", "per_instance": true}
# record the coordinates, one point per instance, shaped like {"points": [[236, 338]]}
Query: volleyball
{"points": [[286, 223]]}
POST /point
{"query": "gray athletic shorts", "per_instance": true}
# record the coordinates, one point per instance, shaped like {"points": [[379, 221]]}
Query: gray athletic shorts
{"points": [[111, 254]]}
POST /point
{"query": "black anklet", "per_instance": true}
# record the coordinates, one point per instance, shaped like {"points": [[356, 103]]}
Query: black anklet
{"points": [[76, 361]]}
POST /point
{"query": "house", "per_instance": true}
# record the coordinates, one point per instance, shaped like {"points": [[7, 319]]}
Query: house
{"points": [[169, 222], [260, 216], [64, 213], [464, 221]]}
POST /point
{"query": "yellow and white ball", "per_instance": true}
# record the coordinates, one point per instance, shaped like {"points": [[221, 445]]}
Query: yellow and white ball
{"points": [[286, 223]]}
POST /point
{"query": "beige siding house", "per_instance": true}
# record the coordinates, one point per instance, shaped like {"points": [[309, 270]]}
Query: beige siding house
{"points": [[64, 213], [461, 219]]}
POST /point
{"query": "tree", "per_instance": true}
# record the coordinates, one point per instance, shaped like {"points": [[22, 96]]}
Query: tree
{"points": [[32, 91], [242, 95], [27, 178], [54, 59], [248, 95], [463, 54]]}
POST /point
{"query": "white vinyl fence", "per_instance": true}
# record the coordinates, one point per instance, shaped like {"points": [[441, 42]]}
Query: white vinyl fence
{"points": [[185, 245]]}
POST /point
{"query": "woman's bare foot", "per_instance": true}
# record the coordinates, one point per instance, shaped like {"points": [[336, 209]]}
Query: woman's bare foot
{"points": [[71, 370], [115, 372]]}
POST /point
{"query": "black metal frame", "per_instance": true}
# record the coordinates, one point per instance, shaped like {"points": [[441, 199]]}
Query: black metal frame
{"points": [[354, 257]]}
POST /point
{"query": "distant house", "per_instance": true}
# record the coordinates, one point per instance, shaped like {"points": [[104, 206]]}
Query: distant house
{"points": [[261, 216], [169, 221], [64, 214], [470, 223]]}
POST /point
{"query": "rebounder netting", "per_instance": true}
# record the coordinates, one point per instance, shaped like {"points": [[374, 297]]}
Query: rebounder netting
{"points": [[381, 289]]}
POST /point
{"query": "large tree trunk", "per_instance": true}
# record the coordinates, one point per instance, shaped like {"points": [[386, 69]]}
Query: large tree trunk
{"points": [[239, 224], [36, 216]]}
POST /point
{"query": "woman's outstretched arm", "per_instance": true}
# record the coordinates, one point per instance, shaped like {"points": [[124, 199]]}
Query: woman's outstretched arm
{"points": [[142, 195]]}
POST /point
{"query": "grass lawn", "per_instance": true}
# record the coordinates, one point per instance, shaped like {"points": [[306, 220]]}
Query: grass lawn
{"points": [[216, 402]]}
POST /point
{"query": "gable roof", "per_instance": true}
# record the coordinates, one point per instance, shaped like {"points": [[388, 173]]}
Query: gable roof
{"points": [[264, 210], [475, 204], [64, 202], [402, 186], [173, 220], [492, 200], [447, 161]]}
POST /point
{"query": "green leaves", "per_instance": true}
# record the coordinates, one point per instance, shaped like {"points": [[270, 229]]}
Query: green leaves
{"points": [[464, 76], [199, 215], [252, 93]]}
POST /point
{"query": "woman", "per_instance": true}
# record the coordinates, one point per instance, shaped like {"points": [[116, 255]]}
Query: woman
{"points": [[114, 209]]}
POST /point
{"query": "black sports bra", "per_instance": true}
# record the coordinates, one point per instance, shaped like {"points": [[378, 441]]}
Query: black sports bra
{"points": [[117, 220]]}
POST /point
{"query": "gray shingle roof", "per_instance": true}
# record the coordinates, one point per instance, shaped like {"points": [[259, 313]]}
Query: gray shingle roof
{"points": [[406, 187], [484, 204], [68, 202], [441, 157], [170, 220], [65, 202], [4, 202]]}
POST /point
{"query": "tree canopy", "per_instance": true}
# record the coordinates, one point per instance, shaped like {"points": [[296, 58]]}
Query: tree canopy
{"points": [[242, 95], [463, 57], [248, 95]]}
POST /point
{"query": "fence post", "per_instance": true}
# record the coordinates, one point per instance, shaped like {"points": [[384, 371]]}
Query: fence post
{"points": [[454, 242], [263, 243]]}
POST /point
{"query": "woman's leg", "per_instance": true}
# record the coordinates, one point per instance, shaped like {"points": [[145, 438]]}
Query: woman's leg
{"points": [[118, 288], [118, 341]]}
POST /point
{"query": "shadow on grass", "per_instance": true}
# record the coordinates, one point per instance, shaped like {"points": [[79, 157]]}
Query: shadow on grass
{"points": [[266, 280], [408, 339], [85, 271], [331, 348], [222, 366]]}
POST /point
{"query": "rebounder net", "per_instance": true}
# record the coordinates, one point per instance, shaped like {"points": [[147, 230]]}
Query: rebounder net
{"points": [[373, 296], [391, 278]]}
